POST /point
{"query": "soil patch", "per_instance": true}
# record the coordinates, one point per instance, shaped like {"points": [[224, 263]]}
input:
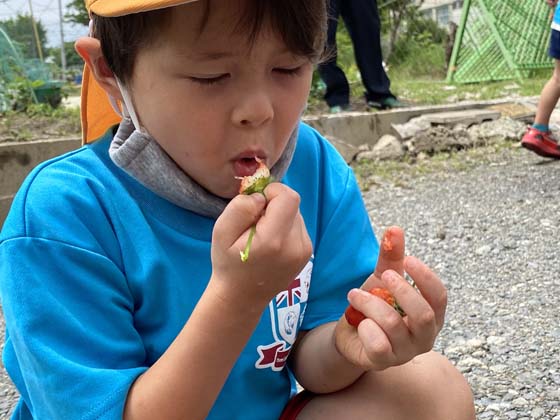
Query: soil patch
{"points": [[18, 127]]}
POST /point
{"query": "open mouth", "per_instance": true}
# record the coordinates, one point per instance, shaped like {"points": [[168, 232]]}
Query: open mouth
{"points": [[245, 166]]}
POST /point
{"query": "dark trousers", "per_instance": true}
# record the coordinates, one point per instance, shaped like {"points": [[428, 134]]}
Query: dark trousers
{"points": [[361, 19]]}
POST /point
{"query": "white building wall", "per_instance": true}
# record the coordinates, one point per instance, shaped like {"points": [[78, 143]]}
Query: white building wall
{"points": [[443, 11]]}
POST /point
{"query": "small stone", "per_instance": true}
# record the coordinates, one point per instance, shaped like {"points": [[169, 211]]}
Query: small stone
{"points": [[512, 415], [499, 368], [483, 250], [497, 406], [519, 402], [537, 413]]}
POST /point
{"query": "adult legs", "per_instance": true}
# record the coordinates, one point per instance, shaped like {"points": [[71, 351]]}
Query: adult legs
{"points": [[362, 21], [338, 91]]}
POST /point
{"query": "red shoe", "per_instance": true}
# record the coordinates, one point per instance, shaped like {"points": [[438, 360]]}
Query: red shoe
{"points": [[541, 142]]}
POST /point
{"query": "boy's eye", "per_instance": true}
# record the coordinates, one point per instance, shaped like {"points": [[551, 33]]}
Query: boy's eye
{"points": [[209, 80], [289, 71]]}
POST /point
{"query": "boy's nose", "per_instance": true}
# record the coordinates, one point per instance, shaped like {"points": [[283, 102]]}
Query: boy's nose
{"points": [[253, 109]]}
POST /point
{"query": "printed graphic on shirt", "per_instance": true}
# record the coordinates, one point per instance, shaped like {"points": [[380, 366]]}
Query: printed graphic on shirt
{"points": [[286, 315]]}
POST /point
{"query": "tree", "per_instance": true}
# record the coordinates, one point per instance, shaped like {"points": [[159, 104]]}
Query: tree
{"points": [[20, 30], [394, 13], [77, 13], [73, 60]]}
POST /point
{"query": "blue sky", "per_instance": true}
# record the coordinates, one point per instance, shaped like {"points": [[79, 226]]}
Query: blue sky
{"points": [[47, 12]]}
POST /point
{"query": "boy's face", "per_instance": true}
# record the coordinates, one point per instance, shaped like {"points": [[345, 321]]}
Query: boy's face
{"points": [[214, 104]]}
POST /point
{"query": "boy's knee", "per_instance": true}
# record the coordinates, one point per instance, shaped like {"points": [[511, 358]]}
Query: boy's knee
{"points": [[433, 389], [446, 387], [427, 388]]}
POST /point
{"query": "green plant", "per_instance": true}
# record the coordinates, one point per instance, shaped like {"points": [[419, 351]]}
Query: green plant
{"points": [[47, 111], [19, 93]]}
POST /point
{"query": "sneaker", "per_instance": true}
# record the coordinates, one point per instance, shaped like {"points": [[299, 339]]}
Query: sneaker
{"points": [[541, 142], [389, 102], [337, 109]]}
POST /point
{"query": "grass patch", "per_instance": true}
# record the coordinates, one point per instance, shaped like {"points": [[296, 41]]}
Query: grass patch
{"points": [[428, 91]]}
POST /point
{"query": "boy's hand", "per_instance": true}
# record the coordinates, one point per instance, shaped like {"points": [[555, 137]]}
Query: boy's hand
{"points": [[280, 249], [384, 338], [552, 3]]}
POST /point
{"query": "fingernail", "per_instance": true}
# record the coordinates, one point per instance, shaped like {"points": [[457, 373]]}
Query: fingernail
{"points": [[358, 294], [259, 198], [410, 264]]}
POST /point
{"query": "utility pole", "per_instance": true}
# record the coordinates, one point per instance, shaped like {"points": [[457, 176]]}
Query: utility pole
{"points": [[62, 51], [36, 32]]}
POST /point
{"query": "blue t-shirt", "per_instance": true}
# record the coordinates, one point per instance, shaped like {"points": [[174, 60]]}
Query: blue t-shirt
{"points": [[556, 18], [98, 275]]}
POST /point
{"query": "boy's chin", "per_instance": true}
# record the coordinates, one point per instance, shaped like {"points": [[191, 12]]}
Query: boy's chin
{"points": [[227, 195]]}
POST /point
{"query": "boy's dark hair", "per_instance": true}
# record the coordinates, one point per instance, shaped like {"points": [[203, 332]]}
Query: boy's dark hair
{"points": [[300, 23]]}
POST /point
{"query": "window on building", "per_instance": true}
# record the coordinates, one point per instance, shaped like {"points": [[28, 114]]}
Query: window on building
{"points": [[442, 15], [457, 4]]}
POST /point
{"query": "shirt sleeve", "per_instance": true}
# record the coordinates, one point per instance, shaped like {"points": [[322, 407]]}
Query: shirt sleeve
{"points": [[346, 249], [72, 349]]}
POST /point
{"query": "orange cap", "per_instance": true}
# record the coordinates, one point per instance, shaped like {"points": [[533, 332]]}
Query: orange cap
{"points": [[97, 112]]}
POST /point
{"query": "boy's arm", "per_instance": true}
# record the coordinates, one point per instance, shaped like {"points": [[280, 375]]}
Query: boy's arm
{"points": [[188, 377], [317, 364]]}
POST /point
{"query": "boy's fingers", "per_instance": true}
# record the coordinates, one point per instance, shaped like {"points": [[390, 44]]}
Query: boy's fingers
{"points": [[391, 251], [421, 318], [429, 285], [281, 211], [240, 214]]}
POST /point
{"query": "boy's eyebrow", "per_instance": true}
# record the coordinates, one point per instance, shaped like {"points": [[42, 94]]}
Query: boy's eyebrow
{"points": [[206, 55], [217, 55]]}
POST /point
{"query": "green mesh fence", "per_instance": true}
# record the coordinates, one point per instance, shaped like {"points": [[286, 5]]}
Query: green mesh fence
{"points": [[10, 64], [500, 40], [35, 78]]}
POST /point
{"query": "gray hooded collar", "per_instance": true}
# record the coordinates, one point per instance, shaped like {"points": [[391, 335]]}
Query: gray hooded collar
{"points": [[139, 155]]}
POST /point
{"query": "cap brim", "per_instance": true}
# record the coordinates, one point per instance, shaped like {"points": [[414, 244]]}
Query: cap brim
{"points": [[96, 110], [112, 8]]}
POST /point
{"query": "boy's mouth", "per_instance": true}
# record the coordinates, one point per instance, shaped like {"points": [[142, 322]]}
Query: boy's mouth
{"points": [[245, 166]]}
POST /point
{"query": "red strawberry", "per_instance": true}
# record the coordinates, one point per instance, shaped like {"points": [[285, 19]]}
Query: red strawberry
{"points": [[354, 317], [257, 182]]}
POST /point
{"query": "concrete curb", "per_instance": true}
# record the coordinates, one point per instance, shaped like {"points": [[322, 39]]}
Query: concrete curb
{"points": [[18, 159], [359, 128]]}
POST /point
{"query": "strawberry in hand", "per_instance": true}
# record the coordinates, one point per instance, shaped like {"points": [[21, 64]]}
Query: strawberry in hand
{"points": [[251, 184], [354, 317]]}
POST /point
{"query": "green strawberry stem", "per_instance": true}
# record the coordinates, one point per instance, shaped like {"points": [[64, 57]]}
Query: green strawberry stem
{"points": [[245, 253], [258, 187]]}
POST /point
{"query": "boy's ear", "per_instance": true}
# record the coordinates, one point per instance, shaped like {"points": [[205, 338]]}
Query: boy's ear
{"points": [[90, 50]]}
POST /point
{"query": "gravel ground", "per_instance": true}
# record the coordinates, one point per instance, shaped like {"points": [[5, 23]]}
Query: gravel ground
{"points": [[491, 233]]}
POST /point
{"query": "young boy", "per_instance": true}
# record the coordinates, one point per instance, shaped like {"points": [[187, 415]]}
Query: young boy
{"points": [[121, 281], [538, 138]]}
